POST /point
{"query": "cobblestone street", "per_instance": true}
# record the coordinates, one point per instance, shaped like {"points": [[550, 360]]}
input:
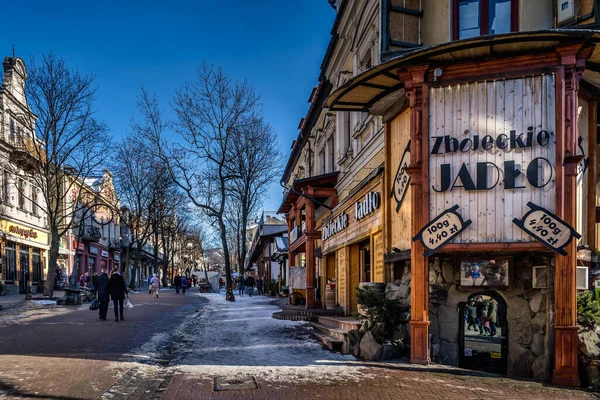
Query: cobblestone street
{"points": [[185, 347]]}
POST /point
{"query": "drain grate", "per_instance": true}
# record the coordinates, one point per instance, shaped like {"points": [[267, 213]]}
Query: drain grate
{"points": [[238, 383]]}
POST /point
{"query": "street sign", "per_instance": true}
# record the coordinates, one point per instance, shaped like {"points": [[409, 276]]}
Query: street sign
{"points": [[468, 353]]}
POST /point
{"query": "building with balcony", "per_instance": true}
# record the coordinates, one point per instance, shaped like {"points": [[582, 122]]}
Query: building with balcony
{"points": [[24, 235]]}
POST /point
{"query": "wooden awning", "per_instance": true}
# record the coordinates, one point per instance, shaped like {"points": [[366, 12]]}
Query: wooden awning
{"points": [[320, 181], [378, 88]]}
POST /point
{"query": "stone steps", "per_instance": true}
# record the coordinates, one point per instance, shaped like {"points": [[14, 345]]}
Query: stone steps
{"points": [[336, 333], [292, 317], [346, 323], [331, 342]]}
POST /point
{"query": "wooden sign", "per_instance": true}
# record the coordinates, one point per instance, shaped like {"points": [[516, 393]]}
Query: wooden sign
{"points": [[402, 179], [491, 150], [441, 230], [547, 228]]}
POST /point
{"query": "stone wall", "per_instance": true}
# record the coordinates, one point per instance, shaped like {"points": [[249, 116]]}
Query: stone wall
{"points": [[526, 315]]}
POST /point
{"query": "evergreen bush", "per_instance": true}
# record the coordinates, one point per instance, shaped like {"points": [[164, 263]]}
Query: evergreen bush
{"points": [[588, 310], [378, 311]]}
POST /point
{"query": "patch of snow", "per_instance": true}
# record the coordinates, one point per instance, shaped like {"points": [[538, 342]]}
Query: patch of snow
{"points": [[44, 302], [242, 338]]}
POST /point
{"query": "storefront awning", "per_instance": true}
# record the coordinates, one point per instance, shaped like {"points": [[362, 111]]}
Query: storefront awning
{"points": [[376, 89], [320, 181]]}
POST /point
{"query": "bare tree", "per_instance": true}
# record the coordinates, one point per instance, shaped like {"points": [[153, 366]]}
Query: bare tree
{"points": [[135, 183], [209, 111], [258, 163], [59, 144]]}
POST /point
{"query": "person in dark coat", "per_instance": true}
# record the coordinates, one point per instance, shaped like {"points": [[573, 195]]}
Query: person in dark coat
{"points": [[471, 311], [103, 293], [250, 284], [480, 312], [259, 285], [118, 292], [177, 282]]}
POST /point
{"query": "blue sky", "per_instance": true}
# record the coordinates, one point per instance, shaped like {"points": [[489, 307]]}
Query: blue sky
{"points": [[277, 45]]}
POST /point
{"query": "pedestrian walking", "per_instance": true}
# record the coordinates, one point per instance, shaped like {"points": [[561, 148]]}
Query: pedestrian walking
{"points": [[155, 284], [95, 284], [184, 283], [195, 279], [492, 316], [118, 292], [250, 284], [177, 283], [259, 285], [480, 311], [150, 284], [103, 293], [221, 282], [471, 312], [240, 286], [189, 282]]}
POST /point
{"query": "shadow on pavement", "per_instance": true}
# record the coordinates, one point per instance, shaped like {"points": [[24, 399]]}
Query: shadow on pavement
{"points": [[9, 390]]}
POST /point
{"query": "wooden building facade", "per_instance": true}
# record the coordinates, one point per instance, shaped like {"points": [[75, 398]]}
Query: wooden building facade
{"points": [[491, 176]]}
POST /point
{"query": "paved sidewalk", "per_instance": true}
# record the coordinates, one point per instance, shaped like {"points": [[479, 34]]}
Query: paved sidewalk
{"points": [[385, 382], [66, 352]]}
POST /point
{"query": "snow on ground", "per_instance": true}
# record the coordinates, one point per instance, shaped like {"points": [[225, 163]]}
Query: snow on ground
{"points": [[242, 338]]}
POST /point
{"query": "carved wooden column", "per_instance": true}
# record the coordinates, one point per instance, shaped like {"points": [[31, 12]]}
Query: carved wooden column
{"points": [[417, 93], [565, 278], [291, 216], [310, 250]]}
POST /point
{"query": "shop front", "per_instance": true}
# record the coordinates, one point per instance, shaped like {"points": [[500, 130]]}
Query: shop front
{"points": [[490, 163], [24, 257], [92, 257], [352, 244], [306, 197]]}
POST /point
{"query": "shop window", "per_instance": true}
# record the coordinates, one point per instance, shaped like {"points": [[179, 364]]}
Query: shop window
{"points": [[11, 261], [24, 259], [36, 265], [365, 262], [473, 18], [91, 265]]}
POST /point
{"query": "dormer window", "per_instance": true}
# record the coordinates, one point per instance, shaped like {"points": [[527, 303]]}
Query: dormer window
{"points": [[473, 18]]}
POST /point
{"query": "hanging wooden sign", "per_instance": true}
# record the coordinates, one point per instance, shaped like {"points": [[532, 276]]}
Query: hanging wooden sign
{"points": [[547, 228], [402, 179], [441, 230]]}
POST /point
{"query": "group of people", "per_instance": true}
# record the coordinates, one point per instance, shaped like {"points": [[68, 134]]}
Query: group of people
{"points": [[482, 316], [61, 279], [183, 283], [244, 282], [113, 288]]}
